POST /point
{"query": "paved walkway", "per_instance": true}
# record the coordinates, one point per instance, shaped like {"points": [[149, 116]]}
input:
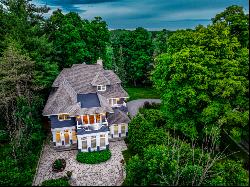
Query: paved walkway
{"points": [[133, 106], [109, 173]]}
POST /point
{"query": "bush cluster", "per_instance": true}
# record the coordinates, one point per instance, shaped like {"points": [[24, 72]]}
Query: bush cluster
{"points": [[93, 157], [63, 181]]}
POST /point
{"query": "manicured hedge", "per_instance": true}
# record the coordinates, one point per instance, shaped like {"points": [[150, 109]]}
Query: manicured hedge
{"points": [[93, 157], [56, 182]]}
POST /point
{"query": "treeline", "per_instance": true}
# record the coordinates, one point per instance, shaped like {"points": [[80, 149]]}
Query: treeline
{"points": [[202, 74]]}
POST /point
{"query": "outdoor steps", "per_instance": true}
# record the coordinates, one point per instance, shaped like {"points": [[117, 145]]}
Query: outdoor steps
{"points": [[63, 148]]}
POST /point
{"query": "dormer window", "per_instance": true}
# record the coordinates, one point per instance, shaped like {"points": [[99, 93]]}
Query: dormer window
{"points": [[63, 117], [101, 88]]}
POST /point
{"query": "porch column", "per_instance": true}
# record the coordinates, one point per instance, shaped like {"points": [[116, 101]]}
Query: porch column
{"points": [[88, 118]]}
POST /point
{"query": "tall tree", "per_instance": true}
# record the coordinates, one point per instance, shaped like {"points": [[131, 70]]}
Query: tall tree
{"points": [[238, 22], [141, 56], [205, 84]]}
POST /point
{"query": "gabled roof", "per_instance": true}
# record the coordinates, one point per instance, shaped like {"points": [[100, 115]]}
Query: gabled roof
{"points": [[100, 79], [118, 117]]}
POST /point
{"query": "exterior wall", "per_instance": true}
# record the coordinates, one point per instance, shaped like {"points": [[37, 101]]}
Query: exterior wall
{"points": [[62, 137], [119, 134], [88, 136]]}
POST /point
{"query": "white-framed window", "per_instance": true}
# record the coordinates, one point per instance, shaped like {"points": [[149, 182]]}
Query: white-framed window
{"points": [[101, 88], [115, 126], [113, 101], [123, 128], [102, 140], [62, 117], [84, 143], [93, 142]]}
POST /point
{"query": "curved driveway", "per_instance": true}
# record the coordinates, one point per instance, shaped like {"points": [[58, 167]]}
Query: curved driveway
{"points": [[133, 106]]}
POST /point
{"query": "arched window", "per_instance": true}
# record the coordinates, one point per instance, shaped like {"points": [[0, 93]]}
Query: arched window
{"points": [[58, 136]]}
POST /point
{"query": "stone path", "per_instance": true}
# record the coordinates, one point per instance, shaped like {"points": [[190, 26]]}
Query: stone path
{"points": [[109, 173], [133, 106]]}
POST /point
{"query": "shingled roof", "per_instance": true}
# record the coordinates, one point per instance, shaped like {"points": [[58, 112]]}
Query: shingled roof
{"points": [[80, 81], [118, 117]]}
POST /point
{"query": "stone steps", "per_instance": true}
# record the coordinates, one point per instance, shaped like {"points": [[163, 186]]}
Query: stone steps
{"points": [[63, 148]]}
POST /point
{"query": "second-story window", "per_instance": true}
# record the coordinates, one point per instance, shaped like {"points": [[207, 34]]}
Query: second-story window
{"points": [[101, 88], [63, 117]]}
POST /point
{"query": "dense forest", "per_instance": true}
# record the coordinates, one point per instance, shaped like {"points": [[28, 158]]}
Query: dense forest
{"points": [[201, 75]]}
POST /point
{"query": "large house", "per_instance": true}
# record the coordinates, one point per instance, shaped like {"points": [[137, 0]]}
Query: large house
{"points": [[86, 108]]}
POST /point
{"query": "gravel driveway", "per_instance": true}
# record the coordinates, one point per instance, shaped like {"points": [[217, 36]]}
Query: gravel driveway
{"points": [[109, 173], [133, 106]]}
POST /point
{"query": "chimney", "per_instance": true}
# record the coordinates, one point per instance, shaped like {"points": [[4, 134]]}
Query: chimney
{"points": [[99, 61]]}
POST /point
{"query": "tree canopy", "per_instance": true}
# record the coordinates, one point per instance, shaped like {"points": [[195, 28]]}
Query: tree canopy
{"points": [[204, 82]]}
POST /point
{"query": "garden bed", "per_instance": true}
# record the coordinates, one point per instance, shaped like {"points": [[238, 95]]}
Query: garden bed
{"points": [[93, 157], [59, 165]]}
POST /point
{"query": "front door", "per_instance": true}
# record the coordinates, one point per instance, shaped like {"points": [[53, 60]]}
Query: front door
{"points": [[66, 136]]}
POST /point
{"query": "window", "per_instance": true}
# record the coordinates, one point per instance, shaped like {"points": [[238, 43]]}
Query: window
{"points": [[123, 129], [113, 101], [58, 137], [115, 129], [91, 119], [97, 118], [102, 140], [85, 119], [101, 87], [62, 117], [84, 143], [93, 142]]}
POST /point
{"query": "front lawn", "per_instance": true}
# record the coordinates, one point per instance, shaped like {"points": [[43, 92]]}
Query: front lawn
{"points": [[142, 93]]}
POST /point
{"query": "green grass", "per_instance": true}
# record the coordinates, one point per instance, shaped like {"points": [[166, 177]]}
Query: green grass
{"points": [[142, 93], [93, 157], [63, 181]]}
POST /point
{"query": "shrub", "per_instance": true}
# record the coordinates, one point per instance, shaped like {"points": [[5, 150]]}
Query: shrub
{"points": [[93, 157], [63, 181], [3, 136], [143, 133], [59, 165], [69, 174]]}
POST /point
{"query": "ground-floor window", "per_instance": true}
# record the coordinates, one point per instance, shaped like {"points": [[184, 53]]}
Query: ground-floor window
{"points": [[115, 129], [102, 140], [123, 129], [93, 142], [84, 143], [58, 138]]}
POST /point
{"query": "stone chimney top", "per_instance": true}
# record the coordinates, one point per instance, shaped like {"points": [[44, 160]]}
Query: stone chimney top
{"points": [[99, 61]]}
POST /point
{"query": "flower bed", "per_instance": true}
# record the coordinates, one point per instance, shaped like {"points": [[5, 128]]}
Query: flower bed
{"points": [[59, 165], [93, 157]]}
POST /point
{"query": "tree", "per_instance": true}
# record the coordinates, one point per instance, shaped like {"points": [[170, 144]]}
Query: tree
{"points": [[141, 56], [238, 22], [204, 84]]}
